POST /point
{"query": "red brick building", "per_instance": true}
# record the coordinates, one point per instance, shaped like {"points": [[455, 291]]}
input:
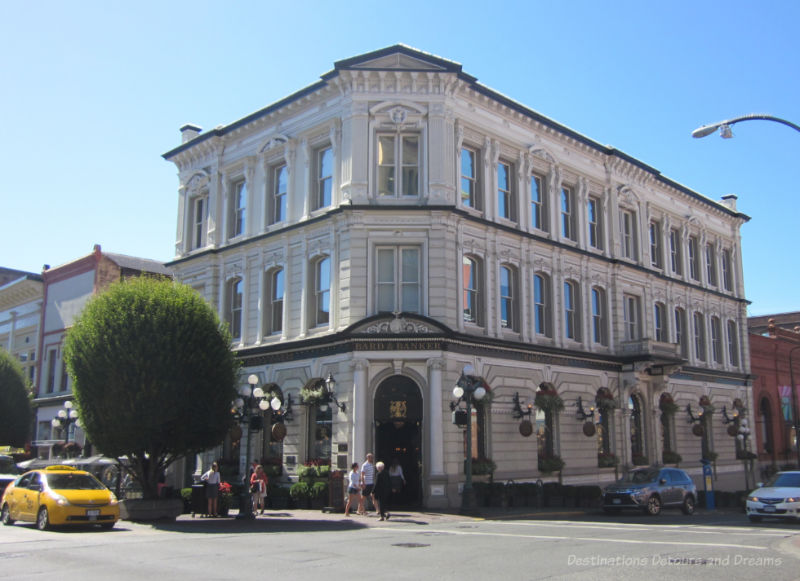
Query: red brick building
{"points": [[775, 364]]}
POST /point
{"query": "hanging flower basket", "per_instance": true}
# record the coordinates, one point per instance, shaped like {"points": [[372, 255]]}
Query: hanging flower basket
{"points": [[279, 432], [525, 428], [705, 403], [605, 399], [732, 430], [667, 405], [697, 430], [313, 396], [589, 429], [548, 401]]}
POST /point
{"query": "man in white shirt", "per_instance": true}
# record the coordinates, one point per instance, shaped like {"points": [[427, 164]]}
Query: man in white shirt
{"points": [[367, 483]]}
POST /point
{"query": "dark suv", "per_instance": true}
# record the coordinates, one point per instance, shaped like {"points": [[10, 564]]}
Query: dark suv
{"points": [[650, 490]]}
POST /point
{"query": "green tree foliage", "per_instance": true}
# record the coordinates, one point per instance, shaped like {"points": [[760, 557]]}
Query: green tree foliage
{"points": [[153, 374], [15, 404]]}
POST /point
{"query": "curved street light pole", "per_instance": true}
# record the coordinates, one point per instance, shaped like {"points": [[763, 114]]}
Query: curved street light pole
{"points": [[794, 403], [725, 126]]}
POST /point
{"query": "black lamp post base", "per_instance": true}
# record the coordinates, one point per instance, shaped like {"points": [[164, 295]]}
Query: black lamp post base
{"points": [[469, 507]]}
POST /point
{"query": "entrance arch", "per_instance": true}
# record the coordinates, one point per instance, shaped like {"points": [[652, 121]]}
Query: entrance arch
{"points": [[398, 434]]}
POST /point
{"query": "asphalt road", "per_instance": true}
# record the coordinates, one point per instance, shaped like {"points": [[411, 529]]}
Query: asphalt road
{"points": [[411, 545]]}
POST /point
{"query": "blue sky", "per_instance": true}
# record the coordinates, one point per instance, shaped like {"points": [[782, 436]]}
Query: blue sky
{"points": [[94, 92]]}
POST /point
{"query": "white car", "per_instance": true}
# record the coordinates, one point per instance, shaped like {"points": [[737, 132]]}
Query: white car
{"points": [[778, 498]]}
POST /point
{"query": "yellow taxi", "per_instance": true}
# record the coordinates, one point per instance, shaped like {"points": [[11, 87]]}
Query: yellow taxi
{"points": [[59, 495]]}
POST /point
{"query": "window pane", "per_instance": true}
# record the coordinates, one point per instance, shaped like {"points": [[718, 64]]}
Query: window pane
{"points": [[386, 150], [467, 177], [410, 150], [410, 181]]}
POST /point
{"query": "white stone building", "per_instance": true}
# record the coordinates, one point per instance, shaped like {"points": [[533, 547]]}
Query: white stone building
{"points": [[20, 310], [397, 221]]}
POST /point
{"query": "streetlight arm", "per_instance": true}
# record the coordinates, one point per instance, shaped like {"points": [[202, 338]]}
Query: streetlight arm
{"points": [[709, 129]]}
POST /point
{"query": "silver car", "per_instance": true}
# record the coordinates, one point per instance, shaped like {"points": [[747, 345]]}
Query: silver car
{"points": [[778, 498], [650, 490]]}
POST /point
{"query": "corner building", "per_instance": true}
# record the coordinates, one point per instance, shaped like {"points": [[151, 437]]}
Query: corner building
{"points": [[397, 221]]}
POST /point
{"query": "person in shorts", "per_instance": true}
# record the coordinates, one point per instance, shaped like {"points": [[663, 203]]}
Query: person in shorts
{"points": [[353, 488], [367, 483]]}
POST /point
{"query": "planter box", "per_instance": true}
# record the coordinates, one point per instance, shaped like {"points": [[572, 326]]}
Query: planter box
{"points": [[145, 510]]}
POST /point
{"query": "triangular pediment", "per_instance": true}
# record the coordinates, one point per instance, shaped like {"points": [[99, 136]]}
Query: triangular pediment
{"points": [[399, 58], [398, 324]]}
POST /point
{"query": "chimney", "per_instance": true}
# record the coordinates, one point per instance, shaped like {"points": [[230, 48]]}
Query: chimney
{"points": [[730, 201], [189, 132]]}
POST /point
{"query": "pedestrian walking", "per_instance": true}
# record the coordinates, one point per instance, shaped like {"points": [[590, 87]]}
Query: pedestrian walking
{"points": [[258, 488], [212, 479], [383, 490], [353, 488]]}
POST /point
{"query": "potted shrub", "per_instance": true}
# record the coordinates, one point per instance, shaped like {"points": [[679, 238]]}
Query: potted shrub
{"points": [[301, 494], [225, 498], [482, 466], [640, 460], [319, 494], [606, 460], [550, 464], [670, 457]]}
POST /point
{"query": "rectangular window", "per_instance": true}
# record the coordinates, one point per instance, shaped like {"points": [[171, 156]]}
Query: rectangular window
{"points": [[694, 258], [322, 292], [680, 331], [627, 229], [238, 208], [398, 280], [595, 216], [727, 273], [542, 305], [198, 223], [733, 343], [630, 307], [508, 311], [716, 340], [275, 292], [567, 214], [599, 317], [699, 337], [235, 308], [675, 252], [571, 311], [538, 203], [324, 176], [51, 371], [280, 187], [656, 252], [472, 296], [64, 376], [711, 265], [505, 194], [660, 322], [469, 178], [398, 165]]}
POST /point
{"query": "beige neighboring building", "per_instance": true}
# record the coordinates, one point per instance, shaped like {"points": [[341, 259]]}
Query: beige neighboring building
{"points": [[20, 312], [397, 221], [67, 288]]}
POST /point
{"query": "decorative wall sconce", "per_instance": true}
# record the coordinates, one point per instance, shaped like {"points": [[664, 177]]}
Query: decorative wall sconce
{"points": [[581, 414], [726, 419], [697, 420], [517, 411]]}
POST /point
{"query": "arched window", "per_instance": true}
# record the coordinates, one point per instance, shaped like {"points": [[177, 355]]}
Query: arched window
{"points": [[472, 273], [547, 403], [320, 432]]}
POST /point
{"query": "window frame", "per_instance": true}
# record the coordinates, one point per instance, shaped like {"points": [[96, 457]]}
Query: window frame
{"points": [[509, 303], [572, 313], [323, 183], [727, 270], [628, 238], [539, 205], [278, 196], [711, 265], [398, 284], [234, 306], [506, 197], [238, 208], [660, 325], [472, 291], [594, 218], [273, 324], [681, 330], [656, 245], [473, 199], [676, 263], [542, 305], [715, 326], [321, 306], [599, 316], [631, 316], [199, 222], [566, 205], [693, 248], [397, 166], [699, 333], [733, 342]]}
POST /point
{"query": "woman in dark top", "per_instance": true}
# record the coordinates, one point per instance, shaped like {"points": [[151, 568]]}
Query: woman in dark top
{"points": [[383, 490]]}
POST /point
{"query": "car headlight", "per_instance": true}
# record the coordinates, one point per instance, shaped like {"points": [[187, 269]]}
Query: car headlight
{"points": [[113, 500], [752, 498], [792, 499], [60, 500]]}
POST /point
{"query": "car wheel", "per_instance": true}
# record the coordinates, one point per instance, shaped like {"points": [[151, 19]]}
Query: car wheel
{"points": [[6, 515], [42, 519], [754, 518], [688, 505], [653, 506]]}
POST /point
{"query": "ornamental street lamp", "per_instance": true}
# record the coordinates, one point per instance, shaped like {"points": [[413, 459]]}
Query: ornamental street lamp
{"points": [[247, 411], [64, 418], [468, 387], [743, 436], [725, 126], [794, 404]]}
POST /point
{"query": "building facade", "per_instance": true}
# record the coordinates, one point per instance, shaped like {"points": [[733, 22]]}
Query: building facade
{"points": [[398, 221], [67, 288], [775, 360]]}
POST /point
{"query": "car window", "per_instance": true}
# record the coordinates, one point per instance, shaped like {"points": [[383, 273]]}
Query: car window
{"points": [[640, 476], [70, 481], [680, 477], [24, 480], [35, 479], [785, 479]]}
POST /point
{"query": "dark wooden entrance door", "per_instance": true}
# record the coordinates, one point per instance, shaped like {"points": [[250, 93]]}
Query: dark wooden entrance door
{"points": [[398, 434]]}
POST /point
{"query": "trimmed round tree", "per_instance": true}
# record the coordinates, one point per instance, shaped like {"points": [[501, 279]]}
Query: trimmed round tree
{"points": [[154, 375], [15, 403]]}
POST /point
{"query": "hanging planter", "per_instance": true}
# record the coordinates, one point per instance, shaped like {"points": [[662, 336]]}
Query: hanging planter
{"points": [[589, 429], [732, 431], [697, 430], [667, 405], [605, 399], [279, 432], [313, 395], [548, 401]]}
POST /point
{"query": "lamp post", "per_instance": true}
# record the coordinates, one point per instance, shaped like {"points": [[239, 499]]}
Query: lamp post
{"points": [[64, 418], [743, 436], [468, 388], [794, 404], [247, 410], [725, 126]]}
